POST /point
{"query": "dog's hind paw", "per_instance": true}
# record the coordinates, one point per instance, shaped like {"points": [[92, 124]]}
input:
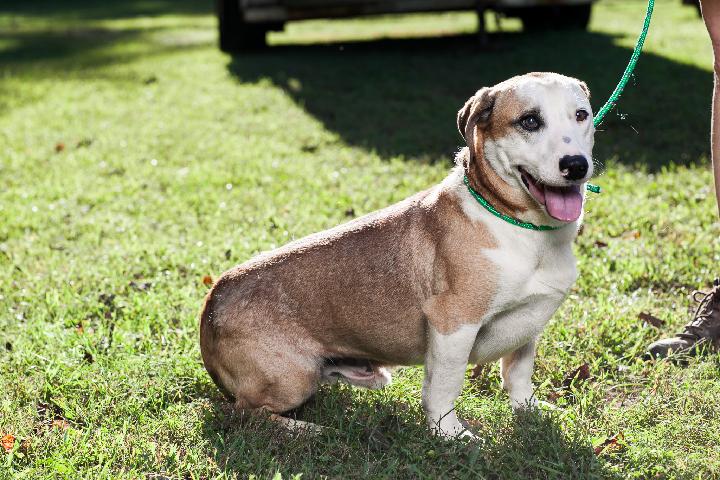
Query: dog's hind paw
{"points": [[296, 426]]}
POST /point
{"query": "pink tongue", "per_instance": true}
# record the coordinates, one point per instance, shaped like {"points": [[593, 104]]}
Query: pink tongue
{"points": [[563, 204]]}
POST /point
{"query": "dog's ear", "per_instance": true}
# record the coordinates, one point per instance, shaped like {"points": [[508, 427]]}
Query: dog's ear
{"points": [[584, 88], [476, 110]]}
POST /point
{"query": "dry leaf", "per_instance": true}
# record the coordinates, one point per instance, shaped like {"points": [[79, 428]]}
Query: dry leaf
{"points": [[7, 442], [478, 371], [61, 424], [631, 234], [59, 147], [578, 375], [612, 443], [651, 319], [553, 396], [139, 286], [207, 281]]}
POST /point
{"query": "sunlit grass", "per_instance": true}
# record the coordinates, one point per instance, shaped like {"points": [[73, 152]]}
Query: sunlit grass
{"points": [[136, 159]]}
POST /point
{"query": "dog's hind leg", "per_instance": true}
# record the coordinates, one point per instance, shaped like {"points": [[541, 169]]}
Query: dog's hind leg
{"points": [[286, 395], [360, 373]]}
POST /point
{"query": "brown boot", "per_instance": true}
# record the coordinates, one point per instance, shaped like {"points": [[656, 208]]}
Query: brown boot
{"points": [[702, 332]]}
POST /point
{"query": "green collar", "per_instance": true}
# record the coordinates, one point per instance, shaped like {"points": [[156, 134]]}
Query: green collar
{"points": [[515, 221]]}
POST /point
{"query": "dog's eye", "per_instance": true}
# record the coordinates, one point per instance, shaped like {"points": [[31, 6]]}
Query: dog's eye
{"points": [[530, 123], [581, 115]]}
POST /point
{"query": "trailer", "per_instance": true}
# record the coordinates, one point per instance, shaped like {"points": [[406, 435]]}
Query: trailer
{"points": [[244, 24]]}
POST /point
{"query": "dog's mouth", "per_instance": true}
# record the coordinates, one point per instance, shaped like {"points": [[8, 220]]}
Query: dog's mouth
{"points": [[562, 203]]}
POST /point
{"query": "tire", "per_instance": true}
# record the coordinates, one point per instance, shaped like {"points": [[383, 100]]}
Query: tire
{"points": [[566, 17], [235, 35]]}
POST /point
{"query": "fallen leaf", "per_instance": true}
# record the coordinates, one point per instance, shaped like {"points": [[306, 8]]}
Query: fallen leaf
{"points": [[107, 299], [631, 234], [478, 371], [207, 280], [59, 147], [578, 375], [553, 396], [139, 286], [651, 319], [7, 442], [600, 244], [612, 443], [60, 423]]}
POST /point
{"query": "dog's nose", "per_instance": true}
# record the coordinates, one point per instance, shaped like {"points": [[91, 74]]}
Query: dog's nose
{"points": [[573, 167]]}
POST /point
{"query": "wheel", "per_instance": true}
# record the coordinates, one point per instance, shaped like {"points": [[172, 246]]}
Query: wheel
{"points": [[235, 34], [556, 17]]}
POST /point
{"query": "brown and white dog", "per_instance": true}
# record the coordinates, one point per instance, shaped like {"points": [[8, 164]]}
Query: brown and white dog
{"points": [[436, 279]]}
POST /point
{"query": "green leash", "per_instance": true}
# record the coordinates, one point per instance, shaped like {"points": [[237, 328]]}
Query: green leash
{"points": [[615, 96], [609, 105]]}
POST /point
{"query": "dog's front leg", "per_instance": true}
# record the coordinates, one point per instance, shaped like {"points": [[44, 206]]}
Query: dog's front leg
{"points": [[516, 371], [445, 364]]}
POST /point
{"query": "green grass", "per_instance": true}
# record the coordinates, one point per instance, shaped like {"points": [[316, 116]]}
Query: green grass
{"points": [[180, 162]]}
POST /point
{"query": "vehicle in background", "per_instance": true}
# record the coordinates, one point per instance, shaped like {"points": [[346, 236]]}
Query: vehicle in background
{"points": [[693, 2], [243, 24]]}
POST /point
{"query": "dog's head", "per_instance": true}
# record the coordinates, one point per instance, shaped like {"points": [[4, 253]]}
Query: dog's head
{"points": [[530, 143]]}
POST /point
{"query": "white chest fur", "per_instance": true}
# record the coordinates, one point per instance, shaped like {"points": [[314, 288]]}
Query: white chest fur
{"points": [[535, 270], [531, 264]]}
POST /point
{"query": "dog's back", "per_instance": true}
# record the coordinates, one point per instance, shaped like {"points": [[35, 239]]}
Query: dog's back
{"points": [[354, 291]]}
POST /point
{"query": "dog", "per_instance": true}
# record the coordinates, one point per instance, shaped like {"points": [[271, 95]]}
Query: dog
{"points": [[437, 279]]}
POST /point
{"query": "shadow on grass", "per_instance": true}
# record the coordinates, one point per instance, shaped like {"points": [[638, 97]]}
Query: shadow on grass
{"points": [[99, 10], [67, 39], [85, 48], [399, 97], [369, 436]]}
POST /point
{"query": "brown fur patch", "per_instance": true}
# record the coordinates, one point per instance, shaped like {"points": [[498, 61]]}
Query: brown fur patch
{"points": [[466, 281], [368, 289], [483, 178]]}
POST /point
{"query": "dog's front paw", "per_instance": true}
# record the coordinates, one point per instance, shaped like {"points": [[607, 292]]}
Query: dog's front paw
{"points": [[448, 426], [522, 403]]}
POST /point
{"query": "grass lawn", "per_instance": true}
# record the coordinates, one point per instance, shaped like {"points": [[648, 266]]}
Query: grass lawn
{"points": [[136, 159]]}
